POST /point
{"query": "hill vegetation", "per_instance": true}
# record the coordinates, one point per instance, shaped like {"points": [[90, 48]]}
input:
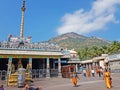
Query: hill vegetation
{"points": [[77, 42]]}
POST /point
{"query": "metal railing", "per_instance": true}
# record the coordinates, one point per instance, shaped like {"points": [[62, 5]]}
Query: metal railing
{"points": [[54, 72], [35, 73], [38, 73], [3, 75], [42, 73]]}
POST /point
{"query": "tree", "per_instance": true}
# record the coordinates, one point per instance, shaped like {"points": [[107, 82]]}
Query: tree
{"points": [[114, 46]]}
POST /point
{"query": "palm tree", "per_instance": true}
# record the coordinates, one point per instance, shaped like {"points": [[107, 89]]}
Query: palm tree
{"points": [[115, 46]]}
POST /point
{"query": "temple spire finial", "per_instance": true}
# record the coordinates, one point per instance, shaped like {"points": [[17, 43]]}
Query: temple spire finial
{"points": [[23, 7]]}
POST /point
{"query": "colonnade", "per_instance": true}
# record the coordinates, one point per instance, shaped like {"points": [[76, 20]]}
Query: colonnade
{"points": [[30, 63]]}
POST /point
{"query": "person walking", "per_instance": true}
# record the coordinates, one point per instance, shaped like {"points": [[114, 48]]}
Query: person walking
{"points": [[75, 79], [108, 79], [93, 72], [99, 72]]}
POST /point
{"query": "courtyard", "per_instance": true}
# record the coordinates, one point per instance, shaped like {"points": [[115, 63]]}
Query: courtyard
{"points": [[84, 83]]}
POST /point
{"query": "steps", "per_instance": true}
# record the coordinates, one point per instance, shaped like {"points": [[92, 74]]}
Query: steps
{"points": [[13, 79]]}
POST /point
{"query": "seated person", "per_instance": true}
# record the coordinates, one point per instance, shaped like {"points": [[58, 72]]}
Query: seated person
{"points": [[27, 87], [1, 87]]}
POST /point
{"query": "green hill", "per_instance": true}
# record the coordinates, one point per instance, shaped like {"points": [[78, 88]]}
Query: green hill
{"points": [[76, 41]]}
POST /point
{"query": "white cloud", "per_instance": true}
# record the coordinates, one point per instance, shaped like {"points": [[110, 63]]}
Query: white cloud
{"points": [[101, 13]]}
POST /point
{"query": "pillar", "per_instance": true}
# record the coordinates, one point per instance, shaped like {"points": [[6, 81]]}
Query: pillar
{"points": [[30, 62], [76, 67], [54, 64], [93, 64], [48, 68], [90, 66], [9, 66], [43, 63], [87, 65], [8, 69], [59, 68]]}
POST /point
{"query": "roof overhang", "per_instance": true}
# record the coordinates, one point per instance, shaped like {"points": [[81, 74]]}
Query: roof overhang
{"points": [[25, 52]]}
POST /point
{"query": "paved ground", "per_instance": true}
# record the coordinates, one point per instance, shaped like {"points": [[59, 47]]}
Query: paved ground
{"points": [[92, 83]]}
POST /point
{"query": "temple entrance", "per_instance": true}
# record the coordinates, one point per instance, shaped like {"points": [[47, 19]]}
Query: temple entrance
{"points": [[53, 64], [3, 63], [38, 63]]}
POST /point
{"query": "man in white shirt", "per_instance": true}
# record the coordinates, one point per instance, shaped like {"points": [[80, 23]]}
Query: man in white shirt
{"points": [[93, 72]]}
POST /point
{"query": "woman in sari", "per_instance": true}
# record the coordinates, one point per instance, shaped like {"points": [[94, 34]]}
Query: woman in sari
{"points": [[107, 79]]}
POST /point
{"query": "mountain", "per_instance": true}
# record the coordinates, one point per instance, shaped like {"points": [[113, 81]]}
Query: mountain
{"points": [[73, 40]]}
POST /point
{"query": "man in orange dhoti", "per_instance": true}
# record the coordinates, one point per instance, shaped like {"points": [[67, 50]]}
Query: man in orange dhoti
{"points": [[107, 78], [88, 73], [97, 70], [74, 81]]}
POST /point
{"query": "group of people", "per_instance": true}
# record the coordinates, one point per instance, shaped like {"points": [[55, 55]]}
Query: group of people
{"points": [[106, 76], [92, 72]]}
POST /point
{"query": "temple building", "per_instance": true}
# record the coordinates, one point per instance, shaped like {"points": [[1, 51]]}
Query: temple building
{"points": [[46, 58], [19, 52]]}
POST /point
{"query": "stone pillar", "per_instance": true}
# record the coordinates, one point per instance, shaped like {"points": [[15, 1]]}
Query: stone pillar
{"points": [[30, 62], [43, 63], [9, 66], [30, 67], [54, 64], [76, 67], [48, 69], [87, 66], [59, 68], [9, 69], [93, 65]]}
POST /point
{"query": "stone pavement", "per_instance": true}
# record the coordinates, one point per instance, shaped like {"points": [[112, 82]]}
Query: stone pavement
{"points": [[84, 83]]}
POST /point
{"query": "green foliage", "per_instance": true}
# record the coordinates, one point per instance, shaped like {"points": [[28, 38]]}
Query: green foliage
{"points": [[94, 51]]}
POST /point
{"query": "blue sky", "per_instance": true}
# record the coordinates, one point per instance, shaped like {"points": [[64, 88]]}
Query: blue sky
{"points": [[45, 19]]}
